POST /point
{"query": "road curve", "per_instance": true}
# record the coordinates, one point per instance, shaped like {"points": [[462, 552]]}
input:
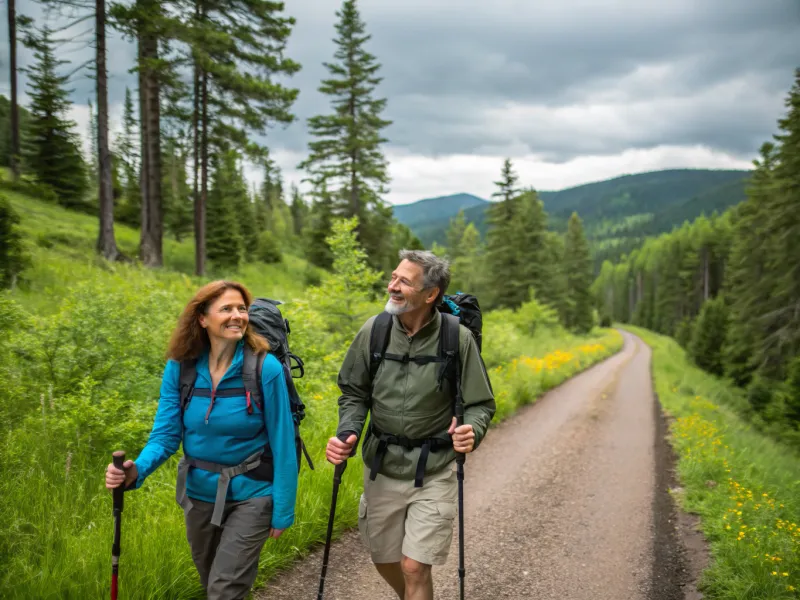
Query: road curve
{"points": [[566, 499]]}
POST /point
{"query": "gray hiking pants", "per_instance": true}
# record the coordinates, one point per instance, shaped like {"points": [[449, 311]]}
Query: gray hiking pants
{"points": [[226, 557]]}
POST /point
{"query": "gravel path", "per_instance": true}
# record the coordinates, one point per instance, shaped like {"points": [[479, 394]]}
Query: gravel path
{"points": [[564, 500]]}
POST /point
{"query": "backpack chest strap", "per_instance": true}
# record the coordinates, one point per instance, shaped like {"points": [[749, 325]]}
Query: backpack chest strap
{"points": [[427, 445], [226, 472]]}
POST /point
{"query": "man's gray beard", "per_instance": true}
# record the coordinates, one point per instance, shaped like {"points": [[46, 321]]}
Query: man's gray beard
{"points": [[395, 309]]}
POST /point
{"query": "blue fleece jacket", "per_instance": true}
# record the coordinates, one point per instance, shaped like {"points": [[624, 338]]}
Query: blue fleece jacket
{"points": [[229, 436]]}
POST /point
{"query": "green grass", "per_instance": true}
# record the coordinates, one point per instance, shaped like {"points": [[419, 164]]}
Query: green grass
{"points": [[61, 244], [744, 486], [81, 363]]}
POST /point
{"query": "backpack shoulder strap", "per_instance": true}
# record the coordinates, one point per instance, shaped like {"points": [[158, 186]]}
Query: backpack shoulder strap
{"points": [[379, 341], [188, 374], [449, 350], [252, 366]]}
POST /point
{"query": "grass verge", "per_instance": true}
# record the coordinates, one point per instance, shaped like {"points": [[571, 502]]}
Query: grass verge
{"points": [[744, 486]]}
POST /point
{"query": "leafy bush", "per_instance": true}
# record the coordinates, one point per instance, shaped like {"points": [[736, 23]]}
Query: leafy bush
{"points": [[13, 255], [684, 331], [759, 394], [793, 392], [708, 337], [605, 321], [269, 249]]}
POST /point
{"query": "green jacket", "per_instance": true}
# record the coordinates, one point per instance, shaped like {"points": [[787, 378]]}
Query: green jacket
{"points": [[406, 401]]}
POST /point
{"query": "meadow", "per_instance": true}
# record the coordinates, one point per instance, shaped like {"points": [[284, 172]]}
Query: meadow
{"points": [[744, 486], [82, 359]]}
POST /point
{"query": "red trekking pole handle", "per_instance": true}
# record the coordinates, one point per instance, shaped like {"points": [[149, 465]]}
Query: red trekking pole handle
{"points": [[118, 496]]}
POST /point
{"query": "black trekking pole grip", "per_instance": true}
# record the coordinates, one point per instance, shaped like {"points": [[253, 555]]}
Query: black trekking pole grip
{"points": [[338, 471], [118, 459], [119, 491]]}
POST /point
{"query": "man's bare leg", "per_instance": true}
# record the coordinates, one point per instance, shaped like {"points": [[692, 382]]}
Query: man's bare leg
{"points": [[418, 579], [393, 575]]}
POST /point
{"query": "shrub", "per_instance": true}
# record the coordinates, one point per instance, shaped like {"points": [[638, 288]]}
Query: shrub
{"points": [[13, 255], [708, 336], [759, 394], [793, 392], [605, 321], [269, 250], [683, 333]]}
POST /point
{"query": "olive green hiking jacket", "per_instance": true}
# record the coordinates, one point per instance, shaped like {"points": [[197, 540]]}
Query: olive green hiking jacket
{"points": [[406, 401]]}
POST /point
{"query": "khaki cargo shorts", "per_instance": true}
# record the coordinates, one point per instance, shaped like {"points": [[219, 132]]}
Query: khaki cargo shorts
{"points": [[396, 519]]}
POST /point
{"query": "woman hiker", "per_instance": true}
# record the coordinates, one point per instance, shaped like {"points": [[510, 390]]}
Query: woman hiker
{"points": [[230, 508]]}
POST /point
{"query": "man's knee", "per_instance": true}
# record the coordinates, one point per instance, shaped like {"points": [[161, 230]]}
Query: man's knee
{"points": [[414, 570]]}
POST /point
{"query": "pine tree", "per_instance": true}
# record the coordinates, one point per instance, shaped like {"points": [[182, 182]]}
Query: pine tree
{"points": [[14, 149], [346, 156], [708, 336], [468, 274], [299, 211], [554, 294], [455, 233], [578, 269], [129, 208], [176, 192], [748, 266], [53, 152], [530, 237], [781, 319], [237, 49], [508, 183], [318, 229], [505, 285], [225, 244]]}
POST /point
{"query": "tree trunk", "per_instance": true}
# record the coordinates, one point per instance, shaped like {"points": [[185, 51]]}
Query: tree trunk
{"points": [[706, 274], [143, 133], [106, 243], [150, 248], [631, 300], [12, 55], [199, 204], [201, 230]]}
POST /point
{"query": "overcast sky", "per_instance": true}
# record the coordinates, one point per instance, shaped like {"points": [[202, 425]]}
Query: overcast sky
{"points": [[572, 90]]}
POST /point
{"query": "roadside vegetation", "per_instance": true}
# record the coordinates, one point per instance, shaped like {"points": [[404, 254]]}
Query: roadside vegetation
{"points": [[743, 484]]}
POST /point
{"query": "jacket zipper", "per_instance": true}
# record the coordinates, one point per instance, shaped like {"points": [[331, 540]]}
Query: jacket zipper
{"points": [[210, 405]]}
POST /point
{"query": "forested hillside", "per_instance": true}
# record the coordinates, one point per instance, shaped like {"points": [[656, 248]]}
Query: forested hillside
{"points": [[728, 287], [618, 213]]}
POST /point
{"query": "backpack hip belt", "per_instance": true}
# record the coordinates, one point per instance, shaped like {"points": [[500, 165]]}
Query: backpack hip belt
{"points": [[226, 472], [428, 445]]}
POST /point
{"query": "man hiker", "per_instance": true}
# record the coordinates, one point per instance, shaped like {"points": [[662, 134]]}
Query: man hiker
{"points": [[408, 507]]}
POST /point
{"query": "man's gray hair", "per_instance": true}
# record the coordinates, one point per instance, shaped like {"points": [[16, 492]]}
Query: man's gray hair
{"points": [[435, 270]]}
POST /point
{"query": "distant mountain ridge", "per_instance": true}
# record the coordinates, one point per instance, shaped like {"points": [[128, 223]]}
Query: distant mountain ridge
{"points": [[628, 206], [434, 209]]}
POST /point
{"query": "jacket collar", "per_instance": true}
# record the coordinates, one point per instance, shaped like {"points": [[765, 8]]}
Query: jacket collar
{"points": [[236, 363], [431, 326]]}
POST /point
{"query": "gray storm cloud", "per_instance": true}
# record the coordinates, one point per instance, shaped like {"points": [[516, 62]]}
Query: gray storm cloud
{"points": [[557, 80]]}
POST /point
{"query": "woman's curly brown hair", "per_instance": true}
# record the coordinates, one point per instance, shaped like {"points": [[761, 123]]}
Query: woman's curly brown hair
{"points": [[190, 339]]}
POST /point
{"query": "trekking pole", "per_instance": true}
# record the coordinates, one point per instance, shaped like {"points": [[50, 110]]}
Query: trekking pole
{"points": [[460, 458], [337, 479], [118, 495]]}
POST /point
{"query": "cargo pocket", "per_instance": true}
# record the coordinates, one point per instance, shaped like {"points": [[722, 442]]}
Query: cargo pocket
{"points": [[447, 510], [444, 531], [362, 520]]}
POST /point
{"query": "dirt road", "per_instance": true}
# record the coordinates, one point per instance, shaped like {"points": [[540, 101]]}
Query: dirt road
{"points": [[565, 500]]}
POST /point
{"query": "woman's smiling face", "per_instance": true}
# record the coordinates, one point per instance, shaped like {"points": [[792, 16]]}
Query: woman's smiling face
{"points": [[226, 318]]}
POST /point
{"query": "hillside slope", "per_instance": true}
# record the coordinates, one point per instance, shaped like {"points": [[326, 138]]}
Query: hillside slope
{"points": [[622, 208]]}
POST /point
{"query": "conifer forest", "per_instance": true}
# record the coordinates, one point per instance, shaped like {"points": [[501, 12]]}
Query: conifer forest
{"points": [[179, 176]]}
